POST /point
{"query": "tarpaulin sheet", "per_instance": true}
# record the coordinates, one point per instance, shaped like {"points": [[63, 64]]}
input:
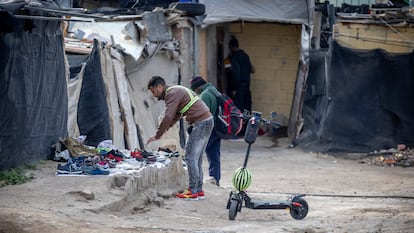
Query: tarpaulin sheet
{"points": [[33, 96], [93, 113], [282, 11], [358, 101]]}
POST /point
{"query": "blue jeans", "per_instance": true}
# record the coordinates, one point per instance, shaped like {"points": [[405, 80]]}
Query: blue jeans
{"points": [[194, 149], [213, 155]]}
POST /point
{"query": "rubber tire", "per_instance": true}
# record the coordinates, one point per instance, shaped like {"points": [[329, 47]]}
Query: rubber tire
{"points": [[233, 209], [299, 213], [189, 8]]}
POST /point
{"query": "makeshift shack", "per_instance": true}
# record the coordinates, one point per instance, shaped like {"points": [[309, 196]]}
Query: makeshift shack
{"points": [[359, 89], [97, 87]]}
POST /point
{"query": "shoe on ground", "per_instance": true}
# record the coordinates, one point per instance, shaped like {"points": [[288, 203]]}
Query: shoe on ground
{"points": [[95, 170], [61, 155], [212, 180], [201, 195], [187, 195], [103, 167], [69, 168]]}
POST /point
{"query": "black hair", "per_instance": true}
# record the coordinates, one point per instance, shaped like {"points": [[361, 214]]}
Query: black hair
{"points": [[233, 43], [155, 81]]}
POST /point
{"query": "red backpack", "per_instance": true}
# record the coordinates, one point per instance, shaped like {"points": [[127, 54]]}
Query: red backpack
{"points": [[229, 119]]}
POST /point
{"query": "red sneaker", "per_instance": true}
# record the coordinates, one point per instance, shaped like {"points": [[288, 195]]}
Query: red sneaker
{"points": [[137, 155], [187, 195], [201, 195]]}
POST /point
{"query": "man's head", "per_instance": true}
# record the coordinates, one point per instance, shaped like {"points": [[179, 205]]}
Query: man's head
{"points": [[197, 83], [157, 87], [233, 44]]}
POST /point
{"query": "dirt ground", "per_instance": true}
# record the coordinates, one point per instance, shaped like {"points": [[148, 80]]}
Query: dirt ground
{"points": [[343, 196]]}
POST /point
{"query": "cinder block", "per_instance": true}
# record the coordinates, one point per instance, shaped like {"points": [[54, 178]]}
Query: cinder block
{"points": [[290, 64], [258, 51], [263, 39], [257, 27], [235, 27], [267, 63], [264, 73]]}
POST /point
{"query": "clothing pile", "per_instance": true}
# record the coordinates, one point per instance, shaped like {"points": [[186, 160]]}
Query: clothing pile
{"points": [[105, 159]]}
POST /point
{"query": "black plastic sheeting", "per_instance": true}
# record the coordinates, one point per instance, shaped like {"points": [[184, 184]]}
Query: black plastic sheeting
{"points": [[363, 104], [33, 90], [93, 113]]}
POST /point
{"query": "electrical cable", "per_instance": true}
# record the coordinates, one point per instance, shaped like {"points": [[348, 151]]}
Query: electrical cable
{"points": [[378, 40], [394, 30], [383, 42], [136, 2], [341, 195], [157, 49], [361, 196]]}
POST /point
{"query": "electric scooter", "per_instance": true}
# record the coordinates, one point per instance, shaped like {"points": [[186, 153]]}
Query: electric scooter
{"points": [[297, 206]]}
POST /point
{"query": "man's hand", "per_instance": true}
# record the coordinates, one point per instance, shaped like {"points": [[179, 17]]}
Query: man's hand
{"points": [[190, 129], [253, 69], [151, 139]]}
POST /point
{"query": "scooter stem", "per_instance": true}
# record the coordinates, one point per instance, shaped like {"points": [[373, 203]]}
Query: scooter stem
{"points": [[247, 155]]}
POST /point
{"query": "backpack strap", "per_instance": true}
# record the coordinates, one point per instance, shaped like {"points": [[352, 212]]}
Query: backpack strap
{"points": [[193, 99], [216, 95], [213, 92]]}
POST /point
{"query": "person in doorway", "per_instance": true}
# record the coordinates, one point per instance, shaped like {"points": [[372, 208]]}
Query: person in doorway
{"points": [[241, 68], [207, 92], [182, 102]]}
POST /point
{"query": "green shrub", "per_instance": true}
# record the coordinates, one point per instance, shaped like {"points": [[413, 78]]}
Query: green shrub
{"points": [[17, 175]]}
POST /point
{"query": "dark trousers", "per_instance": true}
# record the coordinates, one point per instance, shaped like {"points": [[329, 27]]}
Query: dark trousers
{"points": [[213, 156], [243, 100]]}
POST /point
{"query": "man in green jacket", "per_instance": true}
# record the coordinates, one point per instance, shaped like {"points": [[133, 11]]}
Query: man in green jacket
{"points": [[207, 93]]}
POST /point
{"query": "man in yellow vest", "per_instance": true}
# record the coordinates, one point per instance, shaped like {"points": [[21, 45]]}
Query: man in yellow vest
{"points": [[182, 102]]}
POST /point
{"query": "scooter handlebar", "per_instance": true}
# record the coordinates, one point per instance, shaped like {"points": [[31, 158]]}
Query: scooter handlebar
{"points": [[258, 116]]}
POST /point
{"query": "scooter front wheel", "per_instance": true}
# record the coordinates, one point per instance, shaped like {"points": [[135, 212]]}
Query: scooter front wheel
{"points": [[299, 208], [234, 203]]}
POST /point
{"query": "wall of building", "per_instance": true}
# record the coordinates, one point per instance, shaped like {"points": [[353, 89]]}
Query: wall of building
{"points": [[274, 51], [394, 38], [208, 55]]}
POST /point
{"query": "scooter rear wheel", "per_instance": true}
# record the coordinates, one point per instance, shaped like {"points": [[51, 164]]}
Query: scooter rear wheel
{"points": [[233, 209], [299, 209]]}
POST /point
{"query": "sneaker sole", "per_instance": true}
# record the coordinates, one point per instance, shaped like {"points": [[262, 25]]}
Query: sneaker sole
{"points": [[69, 172], [96, 172], [188, 198]]}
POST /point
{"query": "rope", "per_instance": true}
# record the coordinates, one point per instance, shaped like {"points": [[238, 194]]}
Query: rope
{"points": [[395, 31], [342, 195]]}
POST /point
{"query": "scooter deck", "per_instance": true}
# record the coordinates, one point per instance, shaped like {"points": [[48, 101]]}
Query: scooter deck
{"points": [[256, 204]]}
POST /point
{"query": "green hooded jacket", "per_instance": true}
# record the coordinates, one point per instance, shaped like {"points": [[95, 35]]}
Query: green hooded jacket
{"points": [[208, 97]]}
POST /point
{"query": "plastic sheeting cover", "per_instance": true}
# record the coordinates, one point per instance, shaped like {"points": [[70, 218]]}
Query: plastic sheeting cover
{"points": [[93, 113], [33, 94], [364, 104], [292, 11], [103, 31]]}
